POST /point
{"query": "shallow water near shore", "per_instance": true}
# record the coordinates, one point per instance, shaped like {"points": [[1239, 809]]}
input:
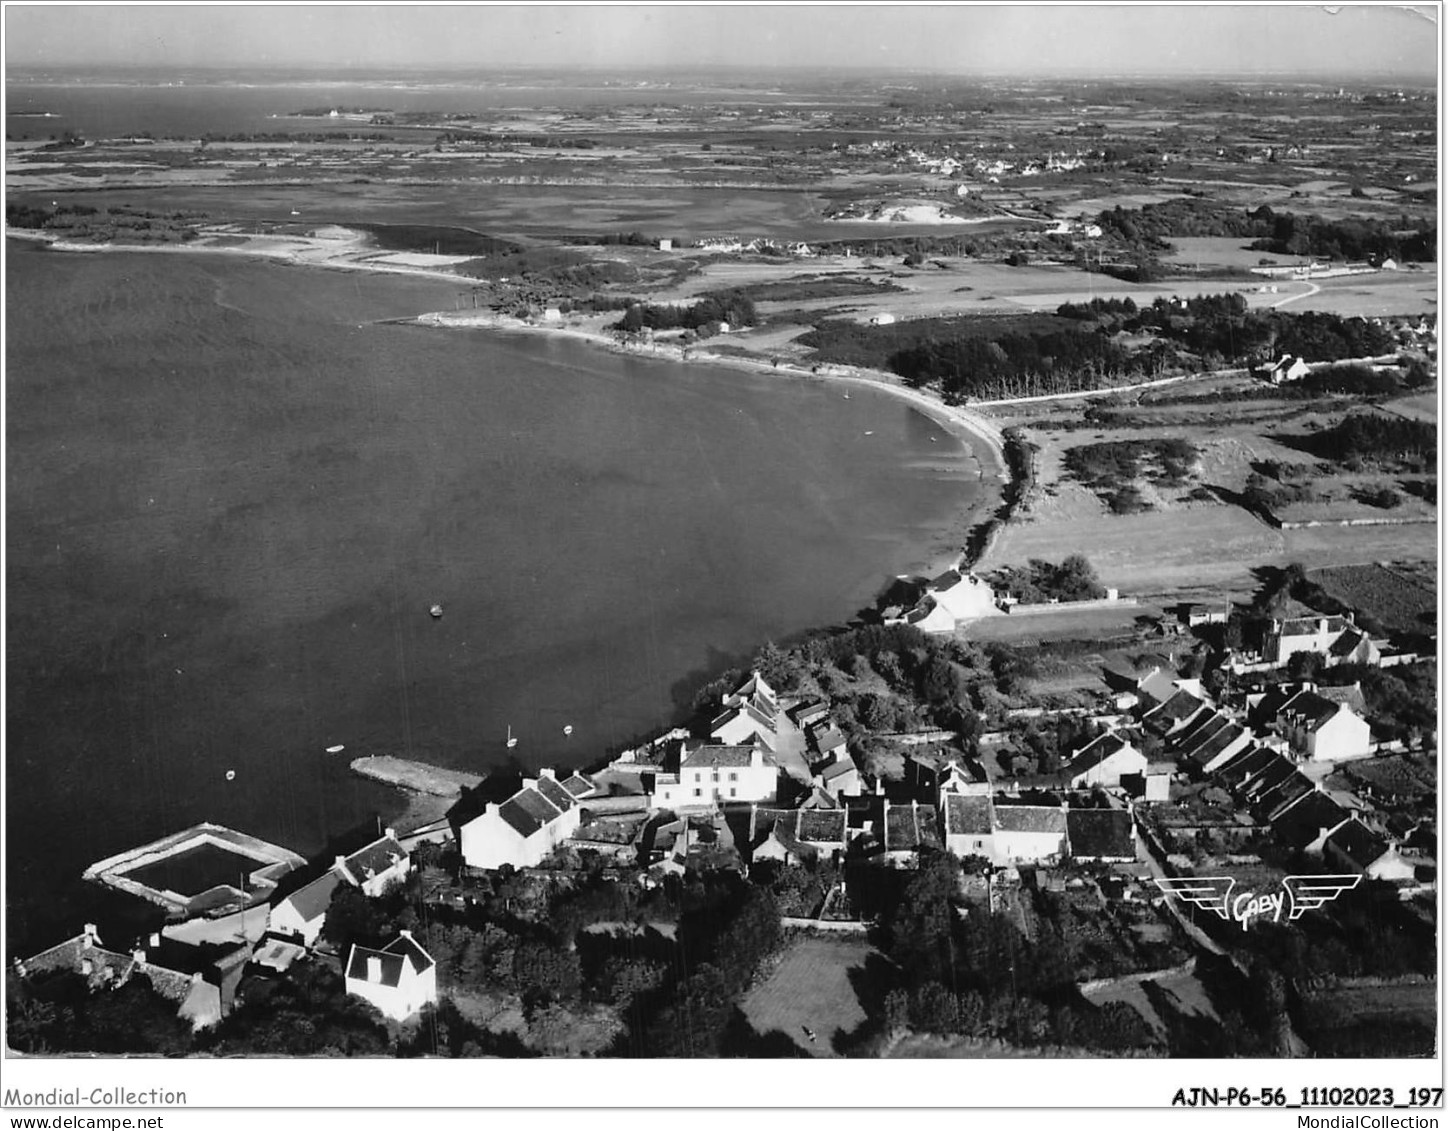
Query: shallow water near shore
{"points": [[232, 501]]}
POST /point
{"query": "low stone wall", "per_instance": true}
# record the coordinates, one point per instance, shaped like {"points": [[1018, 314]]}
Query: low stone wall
{"points": [[1073, 606], [835, 926]]}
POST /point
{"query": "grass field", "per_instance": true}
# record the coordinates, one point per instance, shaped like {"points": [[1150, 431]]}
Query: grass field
{"points": [[1399, 603], [1066, 624], [1156, 552], [1420, 406], [811, 987]]}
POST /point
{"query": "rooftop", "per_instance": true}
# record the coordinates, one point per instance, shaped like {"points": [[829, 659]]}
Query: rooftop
{"points": [[1100, 833], [967, 814], [707, 756]]}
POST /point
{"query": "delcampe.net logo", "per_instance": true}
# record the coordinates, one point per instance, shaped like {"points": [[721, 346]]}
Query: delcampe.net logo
{"points": [[1298, 894]]}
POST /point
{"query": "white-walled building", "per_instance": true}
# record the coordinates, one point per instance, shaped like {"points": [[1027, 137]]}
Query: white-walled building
{"points": [[1028, 833], [969, 822], [302, 913], [1325, 731], [526, 827], [711, 774], [741, 725], [1104, 760], [377, 866], [399, 979], [949, 599]]}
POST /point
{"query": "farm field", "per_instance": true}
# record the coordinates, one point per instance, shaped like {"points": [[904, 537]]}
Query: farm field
{"points": [[1401, 1017], [1221, 251], [1065, 624], [1420, 406], [1152, 553], [811, 987], [1374, 296], [1399, 603]]}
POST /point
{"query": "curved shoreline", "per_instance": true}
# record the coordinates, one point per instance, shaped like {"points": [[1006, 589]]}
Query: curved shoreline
{"points": [[985, 442], [983, 439]]}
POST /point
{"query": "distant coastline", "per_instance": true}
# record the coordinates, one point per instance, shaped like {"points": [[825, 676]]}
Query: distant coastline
{"points": [[985, 441]]}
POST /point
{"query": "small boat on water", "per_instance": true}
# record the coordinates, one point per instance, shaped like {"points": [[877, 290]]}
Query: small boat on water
{"points": [[435, 612], [512, 742], [568, 729], [335, 749]]}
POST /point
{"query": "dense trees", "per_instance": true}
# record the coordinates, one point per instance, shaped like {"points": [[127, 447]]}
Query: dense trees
{"points": [[1283, 233], [733, 307], [1074, 579], [65, 1015]]}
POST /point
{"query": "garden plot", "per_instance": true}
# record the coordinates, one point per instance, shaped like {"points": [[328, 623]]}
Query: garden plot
{"points": [[811, 988], [1398, 602]]}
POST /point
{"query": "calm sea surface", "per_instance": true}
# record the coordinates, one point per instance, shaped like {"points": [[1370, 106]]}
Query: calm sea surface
{"points": [[231, 500]]}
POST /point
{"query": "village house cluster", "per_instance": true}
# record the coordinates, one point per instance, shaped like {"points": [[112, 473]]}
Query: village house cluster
{"points": [[774, 779]]}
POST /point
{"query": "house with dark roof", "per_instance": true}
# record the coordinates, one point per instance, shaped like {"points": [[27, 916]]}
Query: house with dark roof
{"points": [[1103, 761], [302, 913], [1323, 729], [836, 773], [1288, 636], [521, 830], [907, 829], [745, 723], [1276, 799], [376, 866], [197, 992], [1356, 848], [1166, 718], [969, 823], [797, 836], [711, 775], [1101, 834], [399, 979], [1210, 743], [1306, 824]]}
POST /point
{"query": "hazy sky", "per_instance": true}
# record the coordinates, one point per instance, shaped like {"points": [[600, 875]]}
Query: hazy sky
{"points": [[1040, 40]]}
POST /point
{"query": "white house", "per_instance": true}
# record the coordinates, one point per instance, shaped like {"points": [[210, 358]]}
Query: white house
{"points": [[1104, 760], [951, 598], [837, 774], [711, 774], [1318, 728], [743, 724], [1028, 833], [1288, 369], [1357, 848], [526, 827], [969, 824], [399, 979], [1318, 634], [302, 913], [377, 866]]}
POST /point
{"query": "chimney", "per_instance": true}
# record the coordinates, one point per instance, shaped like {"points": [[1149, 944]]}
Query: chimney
{"points": [[547, 772], [405, 933], [140, 958], [390, 833], [91, 936], [340, 863], [374, 968], [530, 783], [155, 939]]}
